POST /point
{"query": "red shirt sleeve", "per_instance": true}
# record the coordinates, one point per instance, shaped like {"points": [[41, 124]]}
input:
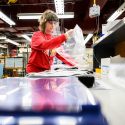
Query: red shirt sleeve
{"points": [[40, 42]]}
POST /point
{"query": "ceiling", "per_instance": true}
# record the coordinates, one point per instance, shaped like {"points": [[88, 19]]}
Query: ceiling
{"points": [[79, 7]]}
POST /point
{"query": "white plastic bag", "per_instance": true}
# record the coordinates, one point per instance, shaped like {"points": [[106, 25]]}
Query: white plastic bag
{"points": [[75, 46]]}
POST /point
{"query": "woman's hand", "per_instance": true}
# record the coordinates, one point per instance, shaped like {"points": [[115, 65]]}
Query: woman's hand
{"points": [[69, 33]]}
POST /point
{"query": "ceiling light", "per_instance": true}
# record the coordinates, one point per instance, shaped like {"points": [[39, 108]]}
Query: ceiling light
{"points": [[66, 15], [2, 46], [88, 38], [117, 13], [2, 37], [6, 19], [13, 42], [59, 5], [29, 15], [26, 37], [38, 15]]}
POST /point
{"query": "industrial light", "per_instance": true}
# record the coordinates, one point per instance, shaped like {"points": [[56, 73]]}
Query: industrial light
{"points": [[88, 38], [26, 37], [66, 15], [38, 15], [2, 37], [29, 15], [2, 46], [59, 5], [117, 13], [13, 42], [6, 19]]}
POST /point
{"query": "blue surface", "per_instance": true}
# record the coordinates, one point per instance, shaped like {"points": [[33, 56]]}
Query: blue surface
{"points": [[54, 101]]}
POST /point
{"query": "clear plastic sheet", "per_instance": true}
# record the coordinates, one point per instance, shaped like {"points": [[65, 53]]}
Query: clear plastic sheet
{"points": [[25, 93], [75, 46], [48, 101]]}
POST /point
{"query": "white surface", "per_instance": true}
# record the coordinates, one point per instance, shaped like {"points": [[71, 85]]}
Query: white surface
{"points": [[112, 100], [62, 73]]}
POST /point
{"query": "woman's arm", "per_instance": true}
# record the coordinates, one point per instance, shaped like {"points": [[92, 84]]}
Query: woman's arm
{"points": [[40, 42]]}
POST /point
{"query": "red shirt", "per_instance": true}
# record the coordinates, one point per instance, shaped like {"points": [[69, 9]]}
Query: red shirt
{"points": [[42, 54]]}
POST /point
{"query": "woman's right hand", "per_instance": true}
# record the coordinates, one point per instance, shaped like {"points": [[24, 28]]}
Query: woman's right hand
{"points": [[69, 33]]}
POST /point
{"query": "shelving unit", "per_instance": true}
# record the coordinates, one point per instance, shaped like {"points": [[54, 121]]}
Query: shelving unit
{"points": [[105, 46], [12, 66]]}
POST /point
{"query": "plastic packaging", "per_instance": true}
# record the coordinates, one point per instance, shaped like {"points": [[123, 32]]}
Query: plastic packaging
{"points": [[75, 46]]}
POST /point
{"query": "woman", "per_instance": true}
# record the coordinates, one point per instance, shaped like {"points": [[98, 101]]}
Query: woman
{"points": [[43, 44]]}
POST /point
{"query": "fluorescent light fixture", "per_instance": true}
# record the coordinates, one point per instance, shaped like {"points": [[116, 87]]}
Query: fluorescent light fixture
{"points": [[6, 19], [88, 38], [29, 15], [59, 5], [26, 37], [38, 15], [66, 15], [2, 46], [2, 37], [117, 13], [13, 42]]}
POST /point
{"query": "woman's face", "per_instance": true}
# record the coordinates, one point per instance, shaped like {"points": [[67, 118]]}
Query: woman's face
{"points": [[50, 27]]}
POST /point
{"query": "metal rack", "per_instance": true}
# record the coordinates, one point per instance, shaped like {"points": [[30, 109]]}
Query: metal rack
{"points": [[105, 46]]}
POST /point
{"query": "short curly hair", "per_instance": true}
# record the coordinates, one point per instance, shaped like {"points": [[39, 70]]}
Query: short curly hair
{"points": [[48, 15]]}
